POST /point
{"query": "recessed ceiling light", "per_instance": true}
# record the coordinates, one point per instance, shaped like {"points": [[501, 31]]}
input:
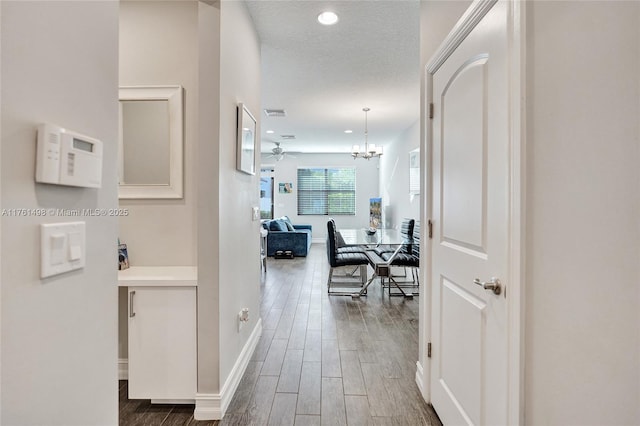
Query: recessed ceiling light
{"points": [[327, 18], [348, 131], [270, 132]]}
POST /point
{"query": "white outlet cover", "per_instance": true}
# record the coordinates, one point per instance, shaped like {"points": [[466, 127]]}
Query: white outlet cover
{"points": [[62, 247]]}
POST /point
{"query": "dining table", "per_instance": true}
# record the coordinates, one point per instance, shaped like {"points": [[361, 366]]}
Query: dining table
{"points": [[368, 240], [360, 237]]}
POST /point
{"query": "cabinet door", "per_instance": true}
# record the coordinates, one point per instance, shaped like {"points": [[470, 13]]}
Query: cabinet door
{"points": [[162, 342]]}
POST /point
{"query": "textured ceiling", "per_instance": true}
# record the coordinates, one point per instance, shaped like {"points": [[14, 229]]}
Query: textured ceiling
{"points": [[324, 75]]}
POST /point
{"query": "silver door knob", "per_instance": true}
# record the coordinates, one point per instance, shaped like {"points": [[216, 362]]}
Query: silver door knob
{"points": [[493, 285]]}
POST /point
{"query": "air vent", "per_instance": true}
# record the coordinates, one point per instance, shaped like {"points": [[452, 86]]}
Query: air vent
{"points": [[288, 137], [275, 112]]}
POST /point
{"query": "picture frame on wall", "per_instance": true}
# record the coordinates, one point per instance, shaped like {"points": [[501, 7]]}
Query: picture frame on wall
{"points": [[375, 213], [285, 188], [246, 141]]}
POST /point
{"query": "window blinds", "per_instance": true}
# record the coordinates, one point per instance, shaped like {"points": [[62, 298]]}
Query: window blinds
{"points": [[327, 191]]}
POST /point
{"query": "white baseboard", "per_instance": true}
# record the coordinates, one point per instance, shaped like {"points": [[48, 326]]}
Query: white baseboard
{"points": [[232, 382], [123, 369], [420, 378], [211, 406], [318, 241], [208, 407]]}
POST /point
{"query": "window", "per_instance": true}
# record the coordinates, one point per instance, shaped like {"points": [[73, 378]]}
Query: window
{"points": [[327, 191], [266, 194]]}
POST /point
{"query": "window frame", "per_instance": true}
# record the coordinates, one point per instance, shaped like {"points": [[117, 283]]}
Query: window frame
{"points": [[325, 191]]}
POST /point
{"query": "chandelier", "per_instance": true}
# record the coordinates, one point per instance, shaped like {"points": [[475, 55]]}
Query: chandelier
{"points": [[369, 151]]}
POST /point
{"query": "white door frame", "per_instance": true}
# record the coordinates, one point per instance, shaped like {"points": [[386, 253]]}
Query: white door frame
{"points": [[516, 280]]}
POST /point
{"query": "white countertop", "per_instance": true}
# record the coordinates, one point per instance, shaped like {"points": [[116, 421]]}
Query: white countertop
{"points": [[158, 276]]}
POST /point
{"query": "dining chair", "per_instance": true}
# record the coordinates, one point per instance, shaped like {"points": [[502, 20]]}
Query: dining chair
{"points": [[406, 231], [408, 257], [341, 245], [344, 256]]}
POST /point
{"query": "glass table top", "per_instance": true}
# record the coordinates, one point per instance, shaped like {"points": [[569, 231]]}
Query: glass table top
{"points": [[360, 237]]}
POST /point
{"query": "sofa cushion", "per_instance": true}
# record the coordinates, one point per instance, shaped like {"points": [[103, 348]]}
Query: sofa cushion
{"points": [[277, 225], [289, 226], [285, 219]]}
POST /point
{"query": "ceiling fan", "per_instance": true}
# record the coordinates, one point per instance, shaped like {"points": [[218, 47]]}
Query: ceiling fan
{"points": [[278, 152]]}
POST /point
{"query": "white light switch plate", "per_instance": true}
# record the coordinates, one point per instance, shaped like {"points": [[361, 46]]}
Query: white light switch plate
{"points": [[256, 212], [62, 247]]}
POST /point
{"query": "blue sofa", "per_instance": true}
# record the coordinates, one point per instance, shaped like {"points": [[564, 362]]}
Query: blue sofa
{"points": [[283, 235]]}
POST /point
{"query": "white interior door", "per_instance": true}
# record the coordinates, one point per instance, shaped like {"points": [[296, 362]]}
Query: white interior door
{"points": [[470, 146]]}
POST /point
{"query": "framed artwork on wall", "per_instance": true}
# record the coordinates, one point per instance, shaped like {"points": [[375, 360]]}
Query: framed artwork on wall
{"points": [[246, 141], [285, 188], [375, 212]]}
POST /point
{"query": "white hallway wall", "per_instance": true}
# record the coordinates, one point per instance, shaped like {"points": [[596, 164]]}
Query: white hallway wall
{"points": [[286, 171], [582, 357], [394, 179], [58, 334], [239, 244], [156, 36], [208, 197]]}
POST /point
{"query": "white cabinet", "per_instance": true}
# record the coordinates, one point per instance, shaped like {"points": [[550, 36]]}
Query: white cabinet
{"points": [[161, 338]]}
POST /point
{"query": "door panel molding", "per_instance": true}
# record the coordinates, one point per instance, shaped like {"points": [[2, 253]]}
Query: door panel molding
{"points": [[465, 156], [458, 369]]}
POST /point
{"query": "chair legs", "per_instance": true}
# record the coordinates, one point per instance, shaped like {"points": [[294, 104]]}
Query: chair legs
{"points": [[352, 280], [413, 284]]}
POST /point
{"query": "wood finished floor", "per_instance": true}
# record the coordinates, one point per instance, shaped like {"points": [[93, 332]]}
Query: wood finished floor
{"points": [[321, 360]]}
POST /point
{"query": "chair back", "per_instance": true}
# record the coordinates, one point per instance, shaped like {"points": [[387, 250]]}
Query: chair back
{"points": [[406, 229], [331, 242]]}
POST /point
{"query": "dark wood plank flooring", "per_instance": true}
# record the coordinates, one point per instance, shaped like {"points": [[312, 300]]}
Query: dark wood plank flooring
{"points": [[321, 360]]}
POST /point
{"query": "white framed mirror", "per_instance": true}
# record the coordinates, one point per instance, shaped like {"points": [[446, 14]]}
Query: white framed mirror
{"points": [[150, 154]]}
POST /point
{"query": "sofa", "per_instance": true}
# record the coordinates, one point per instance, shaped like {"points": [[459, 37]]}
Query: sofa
{"points": [[283, 235]]}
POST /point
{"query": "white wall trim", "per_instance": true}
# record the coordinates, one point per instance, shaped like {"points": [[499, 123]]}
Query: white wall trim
{"points": [[465, 25], [208, 406], [517, 214], [211, 406], [318, 241], [426, 213], [232, 382], [419, 379], [123, 369]]}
